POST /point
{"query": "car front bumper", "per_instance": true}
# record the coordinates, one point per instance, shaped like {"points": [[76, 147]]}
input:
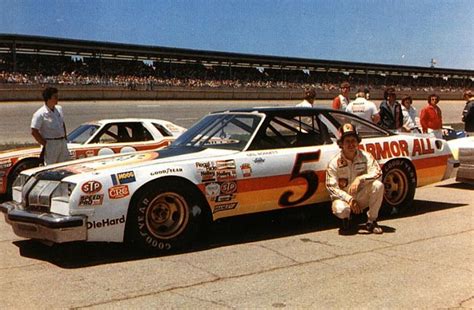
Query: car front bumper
{"points": [[52, 227]]}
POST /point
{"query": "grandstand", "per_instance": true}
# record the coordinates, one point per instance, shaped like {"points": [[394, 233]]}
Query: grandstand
{"points": [[103, 70]]}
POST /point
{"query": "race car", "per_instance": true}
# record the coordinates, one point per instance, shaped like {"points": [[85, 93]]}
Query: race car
{"points": [[107, 136], [230, 163]]}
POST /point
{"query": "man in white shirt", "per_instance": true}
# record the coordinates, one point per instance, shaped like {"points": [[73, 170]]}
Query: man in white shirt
{"points": [[49, 130], [363, 107], [309, 95], [410, 115]]}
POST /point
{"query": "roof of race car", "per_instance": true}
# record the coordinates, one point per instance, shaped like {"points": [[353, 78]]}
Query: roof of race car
{"points": [[275, 110], [124, 120]]}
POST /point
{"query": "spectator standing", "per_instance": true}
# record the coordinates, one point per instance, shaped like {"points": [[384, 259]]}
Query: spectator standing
{"points": [[391, 116], [342, 100], [49, 130], [431, 119], [410, 115], [468, 112], [309, 95], [363, 107]]}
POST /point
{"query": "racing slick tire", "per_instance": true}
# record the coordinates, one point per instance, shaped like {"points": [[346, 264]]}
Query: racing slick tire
{"points": [[15, 172], [399, 179], [166, 215]]}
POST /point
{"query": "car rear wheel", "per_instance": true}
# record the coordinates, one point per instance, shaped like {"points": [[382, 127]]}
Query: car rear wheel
{"points": [[165, 216], [399, 179]]}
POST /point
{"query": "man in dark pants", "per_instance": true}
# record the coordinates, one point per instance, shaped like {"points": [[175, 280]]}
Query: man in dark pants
{"points": [[468, 112]]}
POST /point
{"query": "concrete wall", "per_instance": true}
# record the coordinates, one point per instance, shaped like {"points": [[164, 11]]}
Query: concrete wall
{"points": [[32, 93]]}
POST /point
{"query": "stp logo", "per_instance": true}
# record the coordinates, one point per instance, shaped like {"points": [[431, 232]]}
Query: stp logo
{"points": [[119, 191], [91, 187]]}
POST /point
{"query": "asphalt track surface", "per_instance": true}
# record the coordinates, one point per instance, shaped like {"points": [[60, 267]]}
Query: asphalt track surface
{"points": [[15, 117], [291, 259]]}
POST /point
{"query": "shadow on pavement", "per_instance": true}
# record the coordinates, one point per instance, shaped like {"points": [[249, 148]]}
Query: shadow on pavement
{"points": [[458, 185], [225, 232]]}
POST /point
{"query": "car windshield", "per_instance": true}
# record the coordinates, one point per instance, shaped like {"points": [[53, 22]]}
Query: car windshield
{"points": [[227, 131], [82, 133]]}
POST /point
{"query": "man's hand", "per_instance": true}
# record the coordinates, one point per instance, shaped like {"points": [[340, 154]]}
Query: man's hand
{"points": [[355, 208], [354, 186]]}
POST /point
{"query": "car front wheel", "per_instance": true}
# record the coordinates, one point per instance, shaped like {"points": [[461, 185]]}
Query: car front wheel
{"points": [[165, 216]]}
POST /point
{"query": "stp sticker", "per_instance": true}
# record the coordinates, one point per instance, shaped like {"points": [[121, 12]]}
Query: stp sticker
{"points": [[91, 187]]}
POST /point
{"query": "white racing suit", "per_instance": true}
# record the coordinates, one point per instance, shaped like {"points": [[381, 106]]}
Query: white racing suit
{"points": [[340, 175]]}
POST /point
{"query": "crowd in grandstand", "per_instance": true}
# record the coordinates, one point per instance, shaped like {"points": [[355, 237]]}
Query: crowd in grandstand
{"points": [[134, 75]]}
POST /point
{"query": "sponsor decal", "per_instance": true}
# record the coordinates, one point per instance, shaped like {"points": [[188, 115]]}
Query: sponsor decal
{"points": [[72, 154], [213, 189], [259, 160], [206, 166], [5, 164], [246, 170], [389, 149], [223, 198], [90, 153], [225, 164], [208, 176], [106, 223], [225, 175], [118, 191], [91, 187], [2, 174], [167, 171], [228, 188], [91, 200], [225, 207], [123, 178]]}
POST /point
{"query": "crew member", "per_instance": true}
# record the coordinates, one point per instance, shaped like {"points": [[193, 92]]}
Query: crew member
{"points": [[363, 107], [49, 130], [353, 180], [342, 100], [431, 119], [468, 112]]}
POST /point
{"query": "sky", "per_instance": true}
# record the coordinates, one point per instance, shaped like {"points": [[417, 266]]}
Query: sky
{"points": [[398, 32]]}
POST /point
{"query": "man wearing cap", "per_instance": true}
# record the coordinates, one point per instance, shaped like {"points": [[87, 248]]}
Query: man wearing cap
{"points": [[49, 130], [309, 95], [353, 180], [342, 100]]}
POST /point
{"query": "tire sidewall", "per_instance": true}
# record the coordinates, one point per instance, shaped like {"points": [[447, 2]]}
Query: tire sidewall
{"points": [[137, 231], [407, 169]]}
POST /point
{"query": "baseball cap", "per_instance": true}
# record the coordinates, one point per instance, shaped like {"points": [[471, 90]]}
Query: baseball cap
{"points": [[348, 130]]}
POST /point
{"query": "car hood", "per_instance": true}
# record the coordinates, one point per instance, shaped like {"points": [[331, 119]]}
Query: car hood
{"points": [[19, 152], [117, 163]]}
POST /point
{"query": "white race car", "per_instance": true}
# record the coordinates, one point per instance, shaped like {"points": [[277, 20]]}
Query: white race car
{"points": [[229, 163], [102, 137]]}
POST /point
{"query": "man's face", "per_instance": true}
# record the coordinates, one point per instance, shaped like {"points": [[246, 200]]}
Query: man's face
{"points": [[349, 145], [433, 101], [345, 90], [53, 100], [391, 98]]}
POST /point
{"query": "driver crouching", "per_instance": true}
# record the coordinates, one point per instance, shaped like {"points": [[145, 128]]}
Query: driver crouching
{"points": [[353, 180]]}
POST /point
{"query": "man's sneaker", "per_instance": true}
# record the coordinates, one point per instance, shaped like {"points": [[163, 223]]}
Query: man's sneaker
{"points": [[374, 228], [345, 227]]}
